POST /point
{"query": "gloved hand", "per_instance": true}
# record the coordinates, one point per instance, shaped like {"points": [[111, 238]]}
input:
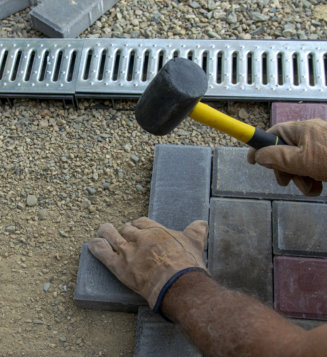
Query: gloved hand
{"points": [[147, 257], [303, 160]]}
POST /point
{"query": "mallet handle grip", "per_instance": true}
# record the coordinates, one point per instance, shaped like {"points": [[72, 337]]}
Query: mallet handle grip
{"points": [[246, 133]]}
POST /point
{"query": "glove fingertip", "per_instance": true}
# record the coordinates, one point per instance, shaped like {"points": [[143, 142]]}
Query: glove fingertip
{"points": [[282, 178]]}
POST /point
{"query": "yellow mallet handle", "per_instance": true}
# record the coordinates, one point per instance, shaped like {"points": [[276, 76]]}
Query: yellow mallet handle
{"points": [[246, 133]]}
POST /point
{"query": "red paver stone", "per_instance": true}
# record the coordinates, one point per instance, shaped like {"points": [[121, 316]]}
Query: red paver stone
{"points": [[284, 111], [301, 287]]}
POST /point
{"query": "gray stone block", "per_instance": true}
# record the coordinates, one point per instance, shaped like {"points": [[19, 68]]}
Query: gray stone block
{"points": [[97, 288], [8, 7], [62, 18], [233, 176], [240, 252], [156, 337], [180, 186], [299, 228]]}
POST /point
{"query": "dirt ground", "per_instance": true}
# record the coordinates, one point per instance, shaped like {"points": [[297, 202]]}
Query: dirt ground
{"points": [[63, 172]]}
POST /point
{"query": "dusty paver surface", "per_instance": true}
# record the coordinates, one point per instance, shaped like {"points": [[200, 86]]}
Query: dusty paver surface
{"points": [[64, 172]]}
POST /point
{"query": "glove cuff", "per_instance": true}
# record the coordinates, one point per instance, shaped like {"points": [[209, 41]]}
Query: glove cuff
{"points": [[169, 283]]}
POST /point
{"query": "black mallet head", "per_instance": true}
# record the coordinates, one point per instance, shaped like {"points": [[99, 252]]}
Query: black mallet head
{"points": [[171, 96]]}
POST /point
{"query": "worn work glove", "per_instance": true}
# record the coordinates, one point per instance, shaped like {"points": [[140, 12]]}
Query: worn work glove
{"points": [[147, 257], [304, 160]]}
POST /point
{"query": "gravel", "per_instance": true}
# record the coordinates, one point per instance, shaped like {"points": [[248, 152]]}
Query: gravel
{"points": [[64, 171]]}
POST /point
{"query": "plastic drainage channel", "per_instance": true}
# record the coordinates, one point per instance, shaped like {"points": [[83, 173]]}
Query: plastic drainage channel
{"points": [[236, 69]]}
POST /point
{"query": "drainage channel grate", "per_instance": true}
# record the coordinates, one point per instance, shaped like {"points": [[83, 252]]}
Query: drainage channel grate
{"points": [[236, 69], [39, 66]]}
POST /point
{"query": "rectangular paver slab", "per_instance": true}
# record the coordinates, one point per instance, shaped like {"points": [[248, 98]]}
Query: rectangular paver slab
{"points": [[98, 288], [62, 18], [240, 252], [8, 7], [300, 228], [300, 287], [286, 111], [180, 186], [233, 176], [156, 337]]}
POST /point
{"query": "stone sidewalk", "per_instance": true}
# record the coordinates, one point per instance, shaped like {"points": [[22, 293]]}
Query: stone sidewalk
{"points": [[265, 240]]}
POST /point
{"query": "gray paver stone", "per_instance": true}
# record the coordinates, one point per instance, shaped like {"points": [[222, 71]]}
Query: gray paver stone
{"points": [[233, 176], [62, 18], [8, 7], [299, 228], [180, 186], [156, 337], [240, 252], [97, 288]]}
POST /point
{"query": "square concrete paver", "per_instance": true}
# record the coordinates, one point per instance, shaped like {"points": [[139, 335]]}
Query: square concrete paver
{"points": [[301, 287], [299, 228], [240, 252]]}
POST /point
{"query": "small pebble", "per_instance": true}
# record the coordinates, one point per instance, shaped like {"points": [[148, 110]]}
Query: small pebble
{"points": [[11, 229], [243, 114], [31, 200], [135, 158], [63, 234], [46, 286], [91, 190]]}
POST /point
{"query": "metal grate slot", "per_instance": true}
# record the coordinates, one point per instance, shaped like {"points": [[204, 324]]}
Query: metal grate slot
{"points": [[295, 66], [234, 67], [102, 65], [325, 68], [265, 74], [88, 64], [16, 65], [160, 61], [219, 73], [57, 67], [71, 66], [3, 63], [131, 63], [44, 65], [280, 68], [249, 61], [205, 61], [176, 54], [312, 79], [190, 55], [29, 69], [116, 66], [145, 67]]}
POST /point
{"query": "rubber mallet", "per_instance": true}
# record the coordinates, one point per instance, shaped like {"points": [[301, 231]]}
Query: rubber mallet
{"points": [[175, 93]]}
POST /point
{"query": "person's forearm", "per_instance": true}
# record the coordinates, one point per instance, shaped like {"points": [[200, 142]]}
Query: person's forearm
{"points": [[222, 322]]}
